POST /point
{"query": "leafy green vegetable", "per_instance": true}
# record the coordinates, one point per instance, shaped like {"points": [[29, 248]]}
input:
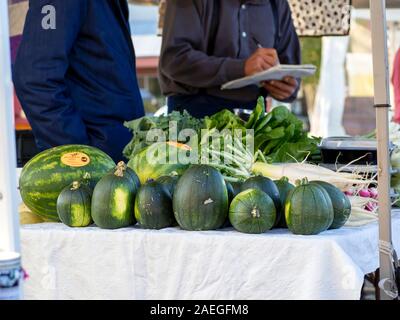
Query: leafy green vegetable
{"points": [[258, 112], [263, 122], [224, 119], [280, 135], [141, 127], [295, 151]]}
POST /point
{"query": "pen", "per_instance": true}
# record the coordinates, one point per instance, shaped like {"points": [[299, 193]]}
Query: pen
{"points": [[261, 47], [258, 43]]}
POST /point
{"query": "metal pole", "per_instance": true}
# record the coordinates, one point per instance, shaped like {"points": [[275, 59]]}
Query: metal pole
{"points": [[9, 219], [382, 103]]}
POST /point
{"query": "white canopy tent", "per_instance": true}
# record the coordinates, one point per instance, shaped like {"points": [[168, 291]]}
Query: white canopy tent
{"points": [[9, 226]]}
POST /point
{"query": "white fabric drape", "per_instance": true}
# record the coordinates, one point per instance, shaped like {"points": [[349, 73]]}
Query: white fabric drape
{"points": [[91, 263], [326, 120]]}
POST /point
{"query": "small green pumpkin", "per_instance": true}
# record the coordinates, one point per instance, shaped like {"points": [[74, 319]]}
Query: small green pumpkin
{"points": [[169, 183], [231, 195], [231, 192], [252, 211], [113, 201], [284, 187], [200, 199], [237, 187], [308, 209], [74, 205], [341, 204], [153, 206], [129, 173], [269, 187]]}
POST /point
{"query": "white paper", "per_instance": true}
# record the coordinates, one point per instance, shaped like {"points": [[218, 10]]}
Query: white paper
{"points": [[278, 72]]}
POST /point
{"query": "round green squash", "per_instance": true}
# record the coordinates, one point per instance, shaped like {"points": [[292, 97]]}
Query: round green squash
{"points": [[341, 204], [74, 205], [231, 191], [234, 188], [284, 187], [153, 206], [113, 201], [159, 159], [231, 196], [269, 187], [252, 211], [308, 209], [128, 172], [237, 187], [48, 173], [169, 183], [200, 200]]}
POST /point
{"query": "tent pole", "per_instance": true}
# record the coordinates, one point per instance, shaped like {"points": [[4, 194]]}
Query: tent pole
{"points": [[9, 220], [382, 103]]}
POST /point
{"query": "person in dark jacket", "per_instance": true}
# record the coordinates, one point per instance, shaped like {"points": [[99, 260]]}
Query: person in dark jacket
{"points": [[207, 43], [75, 74]]}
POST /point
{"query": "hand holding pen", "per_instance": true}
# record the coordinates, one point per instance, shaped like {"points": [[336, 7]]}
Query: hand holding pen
{"points": [[262, 59]]}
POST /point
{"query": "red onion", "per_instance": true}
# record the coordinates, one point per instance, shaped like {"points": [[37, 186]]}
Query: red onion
{"points": [[371, 206], [373, 192], [364, 193]]}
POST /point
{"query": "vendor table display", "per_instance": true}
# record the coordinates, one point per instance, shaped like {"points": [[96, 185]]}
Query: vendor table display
{"points": [[291, 219], [132, 263]]}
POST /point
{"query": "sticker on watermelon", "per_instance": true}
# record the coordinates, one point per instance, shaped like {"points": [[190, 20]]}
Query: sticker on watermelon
{"points": [[75, 159]]}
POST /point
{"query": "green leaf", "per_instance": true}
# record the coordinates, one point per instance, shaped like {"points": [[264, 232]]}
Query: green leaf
{"points": [[263, 122], [281, 113], [258, 112], [270, 146]]}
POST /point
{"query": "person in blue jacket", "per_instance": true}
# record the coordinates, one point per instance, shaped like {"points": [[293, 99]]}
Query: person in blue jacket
{"points": [[75, 74]]}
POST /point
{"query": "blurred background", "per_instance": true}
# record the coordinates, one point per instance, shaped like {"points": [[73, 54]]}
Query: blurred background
{"points": [[337, 101]]}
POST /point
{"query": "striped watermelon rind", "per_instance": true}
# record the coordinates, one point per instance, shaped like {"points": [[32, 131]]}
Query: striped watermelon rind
{"points": [[45, 176]]}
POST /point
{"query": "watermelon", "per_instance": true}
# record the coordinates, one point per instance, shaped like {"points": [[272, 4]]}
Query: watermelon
{"points": [[153, 206], [74, 205], [159, 159], [252, 211], [308, 209], [200, 200], [48, 173], [113, 201]]}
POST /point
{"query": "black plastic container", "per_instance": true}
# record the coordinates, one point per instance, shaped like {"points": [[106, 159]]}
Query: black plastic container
{"points": [[26, 147], [343, 150]]}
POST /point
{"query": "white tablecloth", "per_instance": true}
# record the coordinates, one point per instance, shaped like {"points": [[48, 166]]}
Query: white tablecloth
{"points": [[65, 263]]}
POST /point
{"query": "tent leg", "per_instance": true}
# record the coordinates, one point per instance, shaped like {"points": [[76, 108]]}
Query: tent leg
{"points": [[9, 226], [382, 103]]}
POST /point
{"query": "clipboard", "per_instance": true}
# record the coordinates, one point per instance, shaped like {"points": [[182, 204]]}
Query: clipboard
{"points": [[278, 72]]}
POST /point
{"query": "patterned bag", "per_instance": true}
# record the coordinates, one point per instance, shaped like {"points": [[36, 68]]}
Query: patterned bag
{"points": [[321, 17], [311, 17]]}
